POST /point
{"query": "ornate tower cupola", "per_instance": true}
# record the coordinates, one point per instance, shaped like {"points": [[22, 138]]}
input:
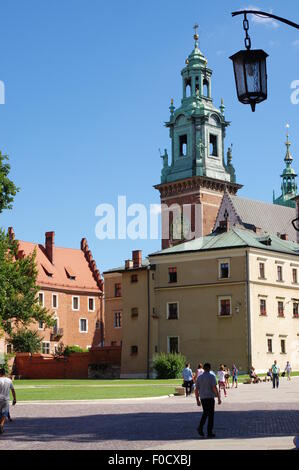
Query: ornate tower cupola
{"points": [[196, 174], [289, 184], [197, 127]]}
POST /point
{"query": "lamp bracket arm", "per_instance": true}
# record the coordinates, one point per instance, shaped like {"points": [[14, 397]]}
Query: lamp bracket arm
{"points": [[269, 15]]}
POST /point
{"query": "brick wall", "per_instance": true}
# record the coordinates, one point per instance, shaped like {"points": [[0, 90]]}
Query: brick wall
{"points": [[43, 366]]}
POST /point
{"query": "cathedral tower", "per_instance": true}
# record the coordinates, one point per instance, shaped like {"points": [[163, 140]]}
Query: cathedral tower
{"points": [[197, 173]]}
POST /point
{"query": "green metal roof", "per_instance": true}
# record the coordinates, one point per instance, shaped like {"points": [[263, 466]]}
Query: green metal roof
{"points": [[234, 238]]}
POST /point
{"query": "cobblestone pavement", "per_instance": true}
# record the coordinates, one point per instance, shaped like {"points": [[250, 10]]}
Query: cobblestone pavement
{"points": [[252, 416]]}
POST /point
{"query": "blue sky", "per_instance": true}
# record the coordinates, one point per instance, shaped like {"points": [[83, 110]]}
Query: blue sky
{"points": [[88, 86]]}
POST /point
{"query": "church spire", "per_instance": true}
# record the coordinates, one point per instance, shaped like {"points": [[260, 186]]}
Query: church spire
{"points": [[289, 183]]}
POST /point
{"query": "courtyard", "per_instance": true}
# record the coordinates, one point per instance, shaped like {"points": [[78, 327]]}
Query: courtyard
{"points": [[251, 417]]}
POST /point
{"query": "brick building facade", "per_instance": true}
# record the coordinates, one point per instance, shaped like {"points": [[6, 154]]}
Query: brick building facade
{"points": [[70, 286]]}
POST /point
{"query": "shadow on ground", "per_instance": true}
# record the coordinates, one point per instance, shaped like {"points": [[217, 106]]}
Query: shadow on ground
{"points": [[162, 427]]}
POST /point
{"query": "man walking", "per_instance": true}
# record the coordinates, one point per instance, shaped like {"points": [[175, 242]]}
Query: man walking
{"points": [[205, 392], [275, 373], [5, 387], [188, 379]]}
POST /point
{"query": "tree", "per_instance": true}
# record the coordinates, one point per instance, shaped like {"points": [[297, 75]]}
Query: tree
{"points": [[26, 341], [19, 305], [7, 188]]}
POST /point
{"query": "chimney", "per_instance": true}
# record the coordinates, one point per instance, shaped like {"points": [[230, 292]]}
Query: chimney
{"points": [[11, 233], [49, 245], [128, 264], [284, 236], [224, 225], [137, 258]]}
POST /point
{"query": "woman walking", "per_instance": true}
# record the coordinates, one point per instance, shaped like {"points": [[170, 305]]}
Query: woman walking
{"points": [[221, 380], [288, 370]]}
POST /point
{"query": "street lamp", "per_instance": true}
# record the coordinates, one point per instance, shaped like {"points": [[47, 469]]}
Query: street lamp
{"points": [[250, 67]]}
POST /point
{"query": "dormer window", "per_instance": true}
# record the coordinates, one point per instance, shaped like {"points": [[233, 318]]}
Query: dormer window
{"points": [[48, 272], [70, 273]]}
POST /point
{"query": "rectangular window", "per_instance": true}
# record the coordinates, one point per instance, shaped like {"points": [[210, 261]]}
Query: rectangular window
{"points": [[91, 304], [45, 347], [224, 269], [76, 303], [295, 310], [225, 307], [117, 320], [173, 311], [263, 307], [134, 312], [183, 146], [173, 345], [213, 145], [54, 301], [41, 299], [283, 346], [40, 325], [269, 342], [295, 276], [262, 270], [172, 275], [279, 273], [9, 349], [117, 290], [83, 325], [280, 309], [134, 350]]}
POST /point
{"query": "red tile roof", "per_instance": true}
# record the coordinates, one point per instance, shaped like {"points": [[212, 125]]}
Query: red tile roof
{"points": [[68, 262]]}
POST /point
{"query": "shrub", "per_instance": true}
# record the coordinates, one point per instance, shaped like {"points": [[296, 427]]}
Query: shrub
{"points": [[26, 341], [4, 362], [169, 366], [73, 349]]}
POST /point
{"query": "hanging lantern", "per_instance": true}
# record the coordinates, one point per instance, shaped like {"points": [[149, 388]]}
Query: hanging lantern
{"points": [[251, 76]]}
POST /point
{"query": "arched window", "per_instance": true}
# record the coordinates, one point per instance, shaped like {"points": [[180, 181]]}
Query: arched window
{"points": [[206, 87], [188, 87]]}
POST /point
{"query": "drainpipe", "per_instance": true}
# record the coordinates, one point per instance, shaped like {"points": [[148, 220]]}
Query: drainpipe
{"points": [[148, 322], [248, 312]]}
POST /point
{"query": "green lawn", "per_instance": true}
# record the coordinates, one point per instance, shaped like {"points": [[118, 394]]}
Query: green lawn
{"points": [[35, 390]]}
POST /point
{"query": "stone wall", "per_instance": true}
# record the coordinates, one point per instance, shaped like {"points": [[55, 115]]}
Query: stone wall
{"points": [[75, 366]]}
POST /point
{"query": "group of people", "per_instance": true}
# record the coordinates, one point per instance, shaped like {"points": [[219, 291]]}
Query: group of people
{"points": [[223, 374], [204, 383], [272, 374]]}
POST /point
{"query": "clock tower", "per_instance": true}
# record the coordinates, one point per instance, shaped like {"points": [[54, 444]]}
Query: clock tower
{"points": [[194, 180]]}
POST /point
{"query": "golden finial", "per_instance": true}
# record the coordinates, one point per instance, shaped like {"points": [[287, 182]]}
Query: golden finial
{"points": [[195, 27], [171, 101], [187, 61]]}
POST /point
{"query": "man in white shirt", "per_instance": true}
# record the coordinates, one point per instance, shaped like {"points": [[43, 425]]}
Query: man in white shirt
{"points": [[5, 387]]}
